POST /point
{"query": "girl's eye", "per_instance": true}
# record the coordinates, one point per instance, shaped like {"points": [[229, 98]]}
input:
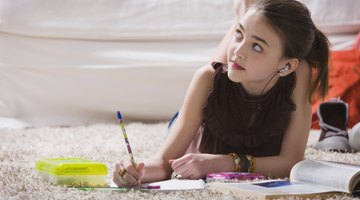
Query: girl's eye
{"points": [[238, 34], [257, 47]]}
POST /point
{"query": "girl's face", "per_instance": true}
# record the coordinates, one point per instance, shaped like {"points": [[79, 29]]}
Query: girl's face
{"points": [[255, 53]]}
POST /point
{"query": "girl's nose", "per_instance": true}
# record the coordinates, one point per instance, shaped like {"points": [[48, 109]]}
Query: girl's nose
{"points": [[239, 52]]}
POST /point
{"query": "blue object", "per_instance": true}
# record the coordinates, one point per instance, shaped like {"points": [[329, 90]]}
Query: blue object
{"points": [[273, 184], [173, 120], [119, 115]]}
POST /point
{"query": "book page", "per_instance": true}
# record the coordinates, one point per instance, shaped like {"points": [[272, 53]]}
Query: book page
{"points": [[291, 187], [268, 189], [326, 173]]}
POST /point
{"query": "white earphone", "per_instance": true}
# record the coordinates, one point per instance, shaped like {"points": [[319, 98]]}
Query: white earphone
{"points": [[286, 68]]}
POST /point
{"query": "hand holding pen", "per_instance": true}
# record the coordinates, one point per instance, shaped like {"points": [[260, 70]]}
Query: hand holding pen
{"points": [[127, 172]]}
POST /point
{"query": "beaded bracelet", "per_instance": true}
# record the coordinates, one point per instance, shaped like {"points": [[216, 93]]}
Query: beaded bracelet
{"points": [[237, 161], [245, 163], [252, 163]]}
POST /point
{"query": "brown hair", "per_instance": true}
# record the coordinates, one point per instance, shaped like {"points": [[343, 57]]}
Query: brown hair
{"points": [[302, 40]]}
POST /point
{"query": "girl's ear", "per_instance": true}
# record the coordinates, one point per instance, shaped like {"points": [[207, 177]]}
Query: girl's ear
{"points": [[291, 65]]}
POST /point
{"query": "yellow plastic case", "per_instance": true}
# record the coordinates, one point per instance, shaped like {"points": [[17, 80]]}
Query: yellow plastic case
{"points": [[73, 172]]}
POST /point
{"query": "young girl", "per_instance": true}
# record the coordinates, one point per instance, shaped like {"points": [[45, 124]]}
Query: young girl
{"points": [[252, 111]]}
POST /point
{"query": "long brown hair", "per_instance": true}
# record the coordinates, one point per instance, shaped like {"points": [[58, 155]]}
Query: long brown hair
{"points": [[302, 40]]}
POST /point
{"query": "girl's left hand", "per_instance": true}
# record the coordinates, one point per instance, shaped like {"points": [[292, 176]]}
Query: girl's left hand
{"points": [[196, 166]]}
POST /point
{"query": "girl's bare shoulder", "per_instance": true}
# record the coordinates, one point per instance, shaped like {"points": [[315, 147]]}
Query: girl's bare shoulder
{"points": [[205, 74]]}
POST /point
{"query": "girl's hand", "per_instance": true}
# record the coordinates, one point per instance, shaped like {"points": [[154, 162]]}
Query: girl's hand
{"points": [[126, 174], [196, 166], [241, 6]]}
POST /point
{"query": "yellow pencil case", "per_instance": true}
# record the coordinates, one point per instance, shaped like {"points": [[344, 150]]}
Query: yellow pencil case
{"points": [[73, 172]]}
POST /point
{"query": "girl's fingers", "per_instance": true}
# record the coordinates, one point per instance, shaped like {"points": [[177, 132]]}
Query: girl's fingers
{"points": [[115, 179], [118, 166], [176, 163], [131, 175], [130, 179], [185, 173], [130, 168], [179, 167], [136, 172], [141, 169]]}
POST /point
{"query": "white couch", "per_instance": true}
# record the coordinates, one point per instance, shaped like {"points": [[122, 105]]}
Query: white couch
{"points": [[76, 62]]}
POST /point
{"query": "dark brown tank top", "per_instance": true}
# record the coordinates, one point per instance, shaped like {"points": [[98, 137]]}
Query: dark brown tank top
{"points": [[235, 122]]}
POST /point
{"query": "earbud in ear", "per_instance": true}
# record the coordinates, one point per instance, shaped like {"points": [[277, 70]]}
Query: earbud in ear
{"points": [[286, 68]]}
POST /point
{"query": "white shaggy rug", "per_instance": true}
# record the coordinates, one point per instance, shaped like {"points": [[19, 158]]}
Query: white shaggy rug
{"points": [[20, 149]]}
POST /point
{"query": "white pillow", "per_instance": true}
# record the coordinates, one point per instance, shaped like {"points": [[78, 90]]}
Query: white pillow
{"points": [[335, 16]]}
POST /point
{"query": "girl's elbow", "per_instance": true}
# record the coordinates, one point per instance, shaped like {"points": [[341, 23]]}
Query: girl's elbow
{"points": [[289, 164], [293, 161]]}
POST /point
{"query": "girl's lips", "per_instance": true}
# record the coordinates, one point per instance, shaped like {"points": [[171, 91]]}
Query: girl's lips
{"points": [[236, 66]]}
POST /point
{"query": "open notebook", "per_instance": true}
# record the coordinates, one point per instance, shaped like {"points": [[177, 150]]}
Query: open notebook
{"points": [[168, 185]]}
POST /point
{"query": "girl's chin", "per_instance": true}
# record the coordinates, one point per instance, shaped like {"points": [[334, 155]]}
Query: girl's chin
{"points": [[234, 77]]}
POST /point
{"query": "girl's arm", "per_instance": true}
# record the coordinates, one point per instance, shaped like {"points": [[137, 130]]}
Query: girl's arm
{"points": [[296, 136], [184, 129], [221, 51], [182, 133]]}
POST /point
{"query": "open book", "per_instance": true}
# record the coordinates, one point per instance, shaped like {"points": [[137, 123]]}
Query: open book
{"points": [[307, 179]]}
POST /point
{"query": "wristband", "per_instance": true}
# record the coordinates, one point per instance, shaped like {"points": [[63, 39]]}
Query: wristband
{"points": [[245, 163], [252, 163], [237, 161]]}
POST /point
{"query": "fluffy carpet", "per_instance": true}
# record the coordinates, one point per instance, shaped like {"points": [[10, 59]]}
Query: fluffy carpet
{"points": [[20, 149]]}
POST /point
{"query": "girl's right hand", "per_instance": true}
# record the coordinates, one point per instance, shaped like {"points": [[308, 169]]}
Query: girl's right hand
{"points": [[126, 174]]}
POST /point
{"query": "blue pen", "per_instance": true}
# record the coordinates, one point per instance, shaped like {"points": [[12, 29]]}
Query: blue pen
{"points": [[126, 138]]}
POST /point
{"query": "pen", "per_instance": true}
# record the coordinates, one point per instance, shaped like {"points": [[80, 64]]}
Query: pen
{"points": [[126, 138], [151, 187]]}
